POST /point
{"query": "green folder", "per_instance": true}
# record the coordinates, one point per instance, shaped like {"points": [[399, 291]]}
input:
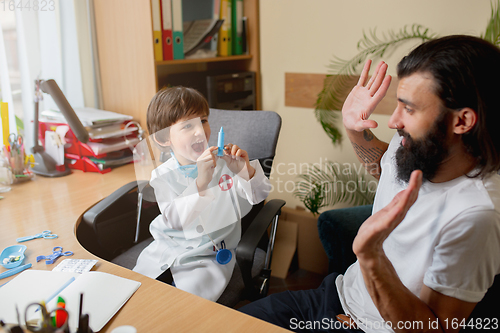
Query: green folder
{"points": [[237, 27], [177, 33]]}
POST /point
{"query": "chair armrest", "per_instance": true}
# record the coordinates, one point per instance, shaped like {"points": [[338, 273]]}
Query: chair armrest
{"points": [[249, 241], [111, 226], [93, 213]]}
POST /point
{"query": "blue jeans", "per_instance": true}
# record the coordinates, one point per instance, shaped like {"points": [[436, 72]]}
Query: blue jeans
{"points": [[312, 310]]}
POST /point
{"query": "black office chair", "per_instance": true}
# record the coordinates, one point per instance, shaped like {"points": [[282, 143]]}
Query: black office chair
{"points": [[112, 231], [337, 229]]}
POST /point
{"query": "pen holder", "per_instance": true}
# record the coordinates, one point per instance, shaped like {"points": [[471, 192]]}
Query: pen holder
{"points": [[6, 176], [15, 166]]}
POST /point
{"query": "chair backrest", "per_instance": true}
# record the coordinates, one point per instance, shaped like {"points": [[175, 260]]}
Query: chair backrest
{"points": [[110, 226], [255, 131]]}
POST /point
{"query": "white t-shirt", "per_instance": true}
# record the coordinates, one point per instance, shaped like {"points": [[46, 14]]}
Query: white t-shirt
{"points": [[449, 241]]}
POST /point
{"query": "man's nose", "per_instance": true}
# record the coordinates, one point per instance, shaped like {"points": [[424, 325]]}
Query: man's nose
{"points": [[395, 122]]}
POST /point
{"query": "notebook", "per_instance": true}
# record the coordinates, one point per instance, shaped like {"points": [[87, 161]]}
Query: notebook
{"points": [[103, 295]]}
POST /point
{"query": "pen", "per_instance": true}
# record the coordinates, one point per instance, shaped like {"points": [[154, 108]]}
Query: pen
{"points": [[17, 328], [58, 291], [6, 152], [13, 271], [80, 309]]}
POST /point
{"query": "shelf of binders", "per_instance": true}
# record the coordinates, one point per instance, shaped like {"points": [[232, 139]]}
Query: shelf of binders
{"points": [[204, 60]]}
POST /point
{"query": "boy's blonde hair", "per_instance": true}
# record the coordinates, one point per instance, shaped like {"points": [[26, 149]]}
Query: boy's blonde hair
{"points": [[169, 105]]}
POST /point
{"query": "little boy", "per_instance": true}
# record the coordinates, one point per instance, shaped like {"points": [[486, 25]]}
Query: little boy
{"points": [[195, 190]]}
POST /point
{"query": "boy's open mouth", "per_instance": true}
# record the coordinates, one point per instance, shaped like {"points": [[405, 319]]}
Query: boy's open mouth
{"points": [[199, 146]]}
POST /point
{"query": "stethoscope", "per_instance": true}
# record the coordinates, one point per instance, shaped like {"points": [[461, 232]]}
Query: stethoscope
{"points": [[223, 256]]}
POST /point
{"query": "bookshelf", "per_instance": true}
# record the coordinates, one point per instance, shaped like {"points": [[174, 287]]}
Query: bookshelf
{"points": [[130, 76], [194, 61]]}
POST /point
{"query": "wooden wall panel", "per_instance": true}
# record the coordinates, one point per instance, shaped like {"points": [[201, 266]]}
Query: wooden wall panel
{"points": [[126, 55], [252, 12], [302, 89]]}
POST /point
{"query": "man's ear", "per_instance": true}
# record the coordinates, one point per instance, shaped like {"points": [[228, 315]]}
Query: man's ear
{"points": [[464, 120], [161, 143]]}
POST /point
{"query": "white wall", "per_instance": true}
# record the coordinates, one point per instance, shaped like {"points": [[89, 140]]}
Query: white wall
{"points": [[301, 36]]}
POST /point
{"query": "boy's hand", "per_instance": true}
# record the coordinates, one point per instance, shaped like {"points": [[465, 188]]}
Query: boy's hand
{"points": [[206, 164], [237, 161]]}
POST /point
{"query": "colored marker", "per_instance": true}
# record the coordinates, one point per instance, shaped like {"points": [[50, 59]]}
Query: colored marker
{"points": [[60, 318]]}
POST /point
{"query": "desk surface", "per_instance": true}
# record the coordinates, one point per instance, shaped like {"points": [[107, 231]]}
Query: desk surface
{"points": [[57, 203]]}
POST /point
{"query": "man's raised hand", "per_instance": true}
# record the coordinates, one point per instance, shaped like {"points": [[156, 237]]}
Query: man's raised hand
{"points": [[374, 231], [363, 99]]}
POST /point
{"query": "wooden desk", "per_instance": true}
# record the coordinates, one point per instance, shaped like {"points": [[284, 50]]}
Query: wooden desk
{"points": [[57, 203]]}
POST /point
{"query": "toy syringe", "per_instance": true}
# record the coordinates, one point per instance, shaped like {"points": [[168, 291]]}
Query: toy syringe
{"points": [[220, 142]]}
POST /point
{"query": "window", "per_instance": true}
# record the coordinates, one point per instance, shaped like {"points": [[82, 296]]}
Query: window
{"points": [[10, 79]]}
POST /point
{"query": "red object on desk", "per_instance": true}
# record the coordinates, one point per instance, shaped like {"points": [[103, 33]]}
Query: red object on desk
{"points": [[83, 163], [77, 153]]}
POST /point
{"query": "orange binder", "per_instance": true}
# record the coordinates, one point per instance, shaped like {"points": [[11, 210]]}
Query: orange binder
{"points": [[166, 23]]}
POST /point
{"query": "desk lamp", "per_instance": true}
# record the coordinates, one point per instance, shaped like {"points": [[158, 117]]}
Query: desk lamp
{"points": [[44, 163]]}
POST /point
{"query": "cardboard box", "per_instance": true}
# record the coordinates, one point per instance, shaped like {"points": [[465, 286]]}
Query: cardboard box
{"points": [[285, 247], [311, 255]]}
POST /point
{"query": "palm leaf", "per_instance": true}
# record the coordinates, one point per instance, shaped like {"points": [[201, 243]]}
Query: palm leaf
{"points": [[492, 33], [318, 188], [335, 87]]}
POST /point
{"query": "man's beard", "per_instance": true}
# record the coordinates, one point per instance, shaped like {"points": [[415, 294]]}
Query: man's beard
{"points": [[425, 154]]}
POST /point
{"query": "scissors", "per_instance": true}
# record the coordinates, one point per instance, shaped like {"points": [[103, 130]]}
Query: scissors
{"points": [[56, 253], [47, 234], [45, 324], [15, 141]]}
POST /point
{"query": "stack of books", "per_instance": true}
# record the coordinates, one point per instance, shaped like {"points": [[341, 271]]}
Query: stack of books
{"points": [[112, 138]]}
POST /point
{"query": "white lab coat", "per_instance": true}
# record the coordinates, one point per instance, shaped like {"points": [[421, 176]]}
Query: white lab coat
{"points": [[181, 232]]}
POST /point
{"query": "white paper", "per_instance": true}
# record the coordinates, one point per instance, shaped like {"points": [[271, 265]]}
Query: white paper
{"points": [[54, 147], [103, 295], [88, 116], [75, 265]]}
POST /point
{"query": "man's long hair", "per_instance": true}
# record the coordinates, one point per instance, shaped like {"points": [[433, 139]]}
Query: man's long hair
{"points": [[466, 72]]}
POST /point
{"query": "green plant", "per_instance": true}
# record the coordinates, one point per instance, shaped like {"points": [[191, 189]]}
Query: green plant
{"points": [[320, 187], [335, 86], [340, 79], [312, 188], [492, 33]]}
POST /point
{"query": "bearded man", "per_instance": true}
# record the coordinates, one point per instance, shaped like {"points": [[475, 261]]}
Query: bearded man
{"points": [[431, 249]]}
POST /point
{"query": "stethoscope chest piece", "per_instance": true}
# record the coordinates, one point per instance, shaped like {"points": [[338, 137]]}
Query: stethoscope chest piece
{"points": [[223, 256]]}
